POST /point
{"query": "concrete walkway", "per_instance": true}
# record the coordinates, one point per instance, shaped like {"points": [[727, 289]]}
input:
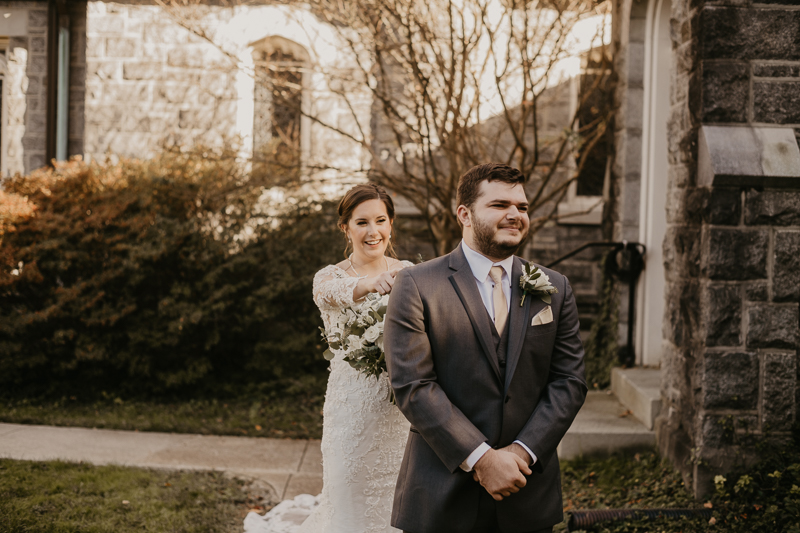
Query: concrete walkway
{"points": [[290, 467]]}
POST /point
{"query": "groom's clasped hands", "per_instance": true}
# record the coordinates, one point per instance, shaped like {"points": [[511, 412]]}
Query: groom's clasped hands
{"points": [[502, 472]]}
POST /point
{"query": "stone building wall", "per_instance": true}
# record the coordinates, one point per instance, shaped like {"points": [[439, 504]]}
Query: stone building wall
{"points": [[731, 325], [150, 81], [26, 86], [26, 91]]}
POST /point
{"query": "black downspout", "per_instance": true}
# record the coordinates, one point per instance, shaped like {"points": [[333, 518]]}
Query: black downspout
{"points": [[52, 80]]}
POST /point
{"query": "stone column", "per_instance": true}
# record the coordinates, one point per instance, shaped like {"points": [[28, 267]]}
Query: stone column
{"points": [[732, 249]]}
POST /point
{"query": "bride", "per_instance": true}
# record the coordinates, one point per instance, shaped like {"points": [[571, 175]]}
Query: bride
{"points": [[363, 434]]}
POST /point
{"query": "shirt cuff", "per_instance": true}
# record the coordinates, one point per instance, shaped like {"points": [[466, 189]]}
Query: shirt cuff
{"points": [[533, 455], [470, 461]]}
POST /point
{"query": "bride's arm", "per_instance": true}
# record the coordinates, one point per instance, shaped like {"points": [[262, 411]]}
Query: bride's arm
{"points": [[332, 291]]}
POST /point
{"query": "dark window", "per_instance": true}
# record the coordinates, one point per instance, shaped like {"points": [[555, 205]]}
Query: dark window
{"points": [[278, 104], [595, 99]]}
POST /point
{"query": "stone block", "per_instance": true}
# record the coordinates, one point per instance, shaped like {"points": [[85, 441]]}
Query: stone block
{"points": [[126, 93], [145, 70], [77, 80], [730, 380], [195, 119], [786, 268], [718, 430], [726, 88], [723, 206], [120, 47], [736, 254], [104, 70], [682, 313], [680, 176], [37, 123], [778, 409], [775, 102], [773, 208], [35, 161], [771, 70], [95, 47], [105, 24], [682, 251], [186, 57], [37, 18], [34, 86], [34, 103], [165, 34], [739, 33], [773, 326], [756, 292], [37, 64], [38, 45], [722, 312]]}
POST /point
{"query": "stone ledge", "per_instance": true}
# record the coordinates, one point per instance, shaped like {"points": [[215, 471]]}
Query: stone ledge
{"points": [[734, 156]]}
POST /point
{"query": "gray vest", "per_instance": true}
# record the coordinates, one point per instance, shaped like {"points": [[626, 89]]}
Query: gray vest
{"points": [[501, 346]]}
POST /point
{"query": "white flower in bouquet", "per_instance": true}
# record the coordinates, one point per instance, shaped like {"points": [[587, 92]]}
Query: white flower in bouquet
{"points": [[354, 342], [359, 334], [373, 332]]}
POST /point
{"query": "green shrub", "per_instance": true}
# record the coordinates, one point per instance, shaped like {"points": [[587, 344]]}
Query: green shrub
{"points": [[158, 277]]}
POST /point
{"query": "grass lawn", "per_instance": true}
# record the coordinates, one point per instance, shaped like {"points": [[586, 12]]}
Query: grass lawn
{"points": [[60, 497], [45, 497], [297, 416]]}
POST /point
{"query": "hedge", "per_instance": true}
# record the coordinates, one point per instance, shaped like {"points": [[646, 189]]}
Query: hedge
{"points": [[157, 277]]}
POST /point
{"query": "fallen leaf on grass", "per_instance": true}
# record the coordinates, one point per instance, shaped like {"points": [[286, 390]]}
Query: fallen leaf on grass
{"points": [[258, 428], [712, 521], [708, 505], [125, 502]]}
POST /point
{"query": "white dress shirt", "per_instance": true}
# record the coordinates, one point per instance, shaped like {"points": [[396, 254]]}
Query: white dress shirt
{"points": [[480, 266]]}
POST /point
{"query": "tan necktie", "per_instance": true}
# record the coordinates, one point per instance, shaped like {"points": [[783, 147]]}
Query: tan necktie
{"points": [[499, 299]]}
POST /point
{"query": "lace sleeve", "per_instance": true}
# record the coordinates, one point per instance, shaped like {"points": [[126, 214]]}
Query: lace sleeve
{"points": [[333, 289]]}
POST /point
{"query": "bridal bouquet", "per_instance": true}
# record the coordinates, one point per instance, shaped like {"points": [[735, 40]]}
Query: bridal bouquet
{"points": [[359, 333]]}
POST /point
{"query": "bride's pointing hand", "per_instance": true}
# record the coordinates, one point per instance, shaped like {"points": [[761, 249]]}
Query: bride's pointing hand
{"points": [[382, 284]]}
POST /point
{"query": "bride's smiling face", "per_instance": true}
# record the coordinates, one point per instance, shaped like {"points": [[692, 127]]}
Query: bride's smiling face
{"points": [[369, 229]]}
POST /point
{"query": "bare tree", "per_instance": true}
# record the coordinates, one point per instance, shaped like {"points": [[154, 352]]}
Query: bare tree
{"points": [[453, 83]]}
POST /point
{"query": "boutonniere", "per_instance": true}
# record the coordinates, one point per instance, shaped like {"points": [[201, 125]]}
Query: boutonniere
{"points": [[536, 282]]}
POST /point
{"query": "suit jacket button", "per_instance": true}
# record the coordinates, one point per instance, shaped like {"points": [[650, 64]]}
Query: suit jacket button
{"points": [[508, 398], [502, 363]]}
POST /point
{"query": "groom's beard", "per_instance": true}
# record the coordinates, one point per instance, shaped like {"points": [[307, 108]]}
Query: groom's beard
{"points": [[483, 236]]}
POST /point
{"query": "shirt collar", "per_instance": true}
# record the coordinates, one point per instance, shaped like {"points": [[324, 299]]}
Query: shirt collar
{"points": [[480, 264]]}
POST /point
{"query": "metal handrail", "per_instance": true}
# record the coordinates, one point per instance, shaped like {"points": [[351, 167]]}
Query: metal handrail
{"points": [[633, 256]]}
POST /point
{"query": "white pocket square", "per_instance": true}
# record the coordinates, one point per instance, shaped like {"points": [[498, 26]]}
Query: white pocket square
{"points": [[545, 316]]}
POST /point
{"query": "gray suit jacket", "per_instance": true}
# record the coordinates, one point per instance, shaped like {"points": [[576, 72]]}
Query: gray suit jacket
{"points": [[447, 381]]}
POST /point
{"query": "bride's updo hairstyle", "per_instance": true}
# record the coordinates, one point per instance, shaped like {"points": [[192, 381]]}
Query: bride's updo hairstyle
{"points": [[357, 196]]}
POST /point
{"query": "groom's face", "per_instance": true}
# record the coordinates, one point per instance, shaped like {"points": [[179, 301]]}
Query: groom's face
{"points": [[497, 222]]}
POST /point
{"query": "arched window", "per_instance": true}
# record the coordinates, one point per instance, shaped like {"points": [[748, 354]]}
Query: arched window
{"points": [[278, 101]]}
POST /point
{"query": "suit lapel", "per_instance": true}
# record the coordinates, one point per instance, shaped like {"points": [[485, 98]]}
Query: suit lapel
{"points": [[518, 319], [467, 289]]}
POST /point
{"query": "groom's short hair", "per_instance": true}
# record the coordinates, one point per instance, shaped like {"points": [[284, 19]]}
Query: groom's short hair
{"points": [[469, 183]]}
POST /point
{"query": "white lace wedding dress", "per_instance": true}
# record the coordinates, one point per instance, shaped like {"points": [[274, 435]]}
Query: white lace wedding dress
{"points": [[363, 439]]}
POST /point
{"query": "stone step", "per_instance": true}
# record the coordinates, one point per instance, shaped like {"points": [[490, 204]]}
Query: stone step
{"points": [[639, 389], [604, 426]]}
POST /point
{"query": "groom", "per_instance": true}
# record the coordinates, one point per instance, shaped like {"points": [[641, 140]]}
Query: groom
{"points": [[490, 386]]}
